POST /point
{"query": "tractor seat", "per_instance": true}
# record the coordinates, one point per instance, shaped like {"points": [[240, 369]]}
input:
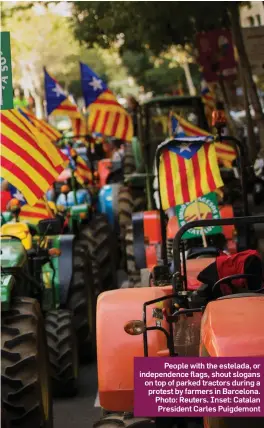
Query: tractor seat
{"points": [[20, 231], [195, 252]]}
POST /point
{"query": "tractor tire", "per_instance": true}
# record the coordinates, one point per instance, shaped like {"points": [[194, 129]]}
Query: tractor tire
{"points": [[26, 386], [63, 352], [125, 208], [116, 420], [132, 271], [101, 243], [82, 302], [139, 200], [129, 164]]}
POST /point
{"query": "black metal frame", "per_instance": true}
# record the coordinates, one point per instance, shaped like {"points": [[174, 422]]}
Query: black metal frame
{"points": [[241, 150], [179, 281]]}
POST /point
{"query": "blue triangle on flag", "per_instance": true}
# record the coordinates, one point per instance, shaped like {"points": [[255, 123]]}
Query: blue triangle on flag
{"points": [[186, 150], [92, 85], [55, 95]]}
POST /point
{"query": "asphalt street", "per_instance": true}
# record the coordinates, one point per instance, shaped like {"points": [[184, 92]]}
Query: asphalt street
{"points": [[79, 412]]}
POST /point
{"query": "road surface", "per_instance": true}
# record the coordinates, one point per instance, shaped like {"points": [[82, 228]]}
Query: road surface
{"points": [[79, 412]]}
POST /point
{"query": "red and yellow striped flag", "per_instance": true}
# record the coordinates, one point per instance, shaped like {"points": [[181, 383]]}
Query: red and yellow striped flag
{"points": [[83, 172], [66, 108], [186, 172], [44, 143], [24, 163], [108, 117], [79, 126], [49, 131], [225, 153], [34, 214]]}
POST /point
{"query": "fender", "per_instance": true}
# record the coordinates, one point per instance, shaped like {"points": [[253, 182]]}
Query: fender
{"points": [[108, 202], [147, 238], [116, 176], [115, 375], [63, 265]]}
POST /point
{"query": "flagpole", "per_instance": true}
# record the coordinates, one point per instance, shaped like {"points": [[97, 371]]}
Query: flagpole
{"points": [[199, 218], [47, 206]]}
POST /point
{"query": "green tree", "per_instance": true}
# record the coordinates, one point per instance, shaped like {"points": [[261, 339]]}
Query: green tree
{"points": [[159, 25], [42, 37]]}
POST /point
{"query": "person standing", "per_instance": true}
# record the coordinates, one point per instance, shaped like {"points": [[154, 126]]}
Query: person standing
{"points": [[19, 99]]}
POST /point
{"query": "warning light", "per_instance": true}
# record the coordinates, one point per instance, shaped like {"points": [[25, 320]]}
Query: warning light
{"points": [[219, 119]]}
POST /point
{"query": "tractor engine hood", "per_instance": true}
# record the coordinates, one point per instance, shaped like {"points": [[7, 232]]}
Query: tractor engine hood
{"points": [[13, 253], [232, 326]]}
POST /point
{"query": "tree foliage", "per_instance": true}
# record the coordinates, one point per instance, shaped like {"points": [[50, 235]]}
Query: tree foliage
{"points": [[158, 79], [157, 25], [40, 37]]}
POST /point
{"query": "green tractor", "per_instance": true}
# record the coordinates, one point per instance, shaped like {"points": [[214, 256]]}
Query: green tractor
{"points": [[47, 276]]}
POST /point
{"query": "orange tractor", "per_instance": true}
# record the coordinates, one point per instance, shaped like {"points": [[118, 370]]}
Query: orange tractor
{"points": [[183, 316], [149, 238]]}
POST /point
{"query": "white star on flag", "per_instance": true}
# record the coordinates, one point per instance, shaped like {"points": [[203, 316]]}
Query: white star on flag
{"points": [[59, 91], [185, 148], [18, 195], [96, 84]]}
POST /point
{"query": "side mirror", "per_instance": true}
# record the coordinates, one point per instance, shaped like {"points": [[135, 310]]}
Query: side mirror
{"points": [[50, 226]]}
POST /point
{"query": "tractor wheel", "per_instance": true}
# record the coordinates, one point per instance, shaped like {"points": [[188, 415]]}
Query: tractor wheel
{"points": [[116, 420], [26, 388], [125, 208], [139, 200], [82, 301], [103, 249], [132, 271], [63, 352], [129, 160]]}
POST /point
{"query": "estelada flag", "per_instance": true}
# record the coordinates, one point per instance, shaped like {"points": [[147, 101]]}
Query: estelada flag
{"points": [[58, 102], [188, 169], [208, 97], [24, 164], [106, 115], [44, 142], [180, 127], [49, 131], [30, 214]]}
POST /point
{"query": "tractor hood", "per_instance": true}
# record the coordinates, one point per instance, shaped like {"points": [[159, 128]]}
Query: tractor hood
{"points": [[13, 253], [233, 327], [7, 283]]}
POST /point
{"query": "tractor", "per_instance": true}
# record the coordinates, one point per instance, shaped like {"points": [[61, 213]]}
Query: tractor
{"points": [[58, 270], [149, 238], [131, 192], [182, 316], [77, 205]]}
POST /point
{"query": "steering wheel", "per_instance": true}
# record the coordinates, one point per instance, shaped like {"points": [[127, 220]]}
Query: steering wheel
{"points": [[228, 280]]}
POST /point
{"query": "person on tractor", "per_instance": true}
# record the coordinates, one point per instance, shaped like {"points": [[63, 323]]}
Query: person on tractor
{"points": [[118, 151]]}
